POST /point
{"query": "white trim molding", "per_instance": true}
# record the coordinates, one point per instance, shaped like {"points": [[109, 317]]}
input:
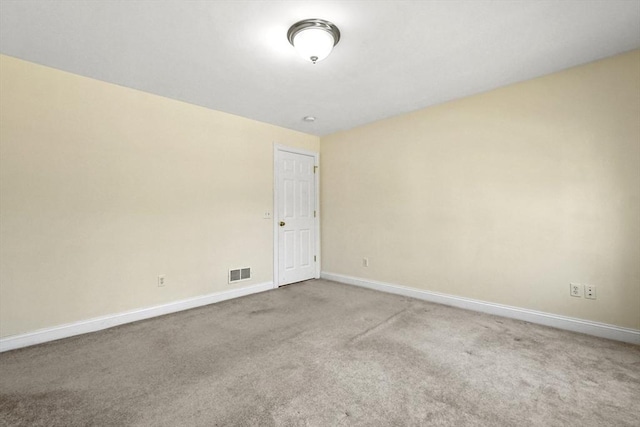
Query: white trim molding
{"points": [[111, 320], [588, 327]]}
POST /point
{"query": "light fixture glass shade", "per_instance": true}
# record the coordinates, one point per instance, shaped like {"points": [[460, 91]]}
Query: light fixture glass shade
{"points": [[313, 44], [314, 39]]}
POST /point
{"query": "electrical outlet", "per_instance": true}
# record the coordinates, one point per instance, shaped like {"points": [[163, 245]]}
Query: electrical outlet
{"points": [[161, 280], [575, 290], [365, 262], [266, 215], [590, 291]]}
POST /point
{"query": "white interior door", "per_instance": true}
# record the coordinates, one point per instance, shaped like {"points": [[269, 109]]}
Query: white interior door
{"points": [[295, 217]]}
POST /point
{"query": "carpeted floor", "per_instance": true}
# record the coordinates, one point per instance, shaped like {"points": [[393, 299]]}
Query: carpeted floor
{"points": [[323, 354]]}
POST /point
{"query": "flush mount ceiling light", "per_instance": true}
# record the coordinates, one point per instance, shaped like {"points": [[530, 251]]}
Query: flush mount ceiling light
{"points": [[314, 38]]}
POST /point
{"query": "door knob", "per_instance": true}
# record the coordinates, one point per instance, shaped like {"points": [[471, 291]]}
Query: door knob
{"points": [[281, 223]]}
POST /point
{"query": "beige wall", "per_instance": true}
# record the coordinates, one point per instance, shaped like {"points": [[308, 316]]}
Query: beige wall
{"points": [[506, 196], [104, 187]]}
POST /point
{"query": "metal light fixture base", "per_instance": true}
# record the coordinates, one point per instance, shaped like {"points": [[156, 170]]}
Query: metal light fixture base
{"points": [[314, 23]]}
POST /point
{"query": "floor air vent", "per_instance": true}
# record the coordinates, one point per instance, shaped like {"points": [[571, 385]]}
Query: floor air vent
{"points": [[239, 274]]}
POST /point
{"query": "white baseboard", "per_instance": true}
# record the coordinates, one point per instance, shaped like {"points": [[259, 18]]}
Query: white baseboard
{"points": [[588, 327], [104, 322]]}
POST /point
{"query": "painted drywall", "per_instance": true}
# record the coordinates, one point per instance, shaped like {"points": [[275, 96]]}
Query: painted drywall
{"points": [[505, 197], [103, 188]]}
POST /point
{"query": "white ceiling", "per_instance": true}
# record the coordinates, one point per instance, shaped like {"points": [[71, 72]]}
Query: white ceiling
{"points": [[394, 56]]}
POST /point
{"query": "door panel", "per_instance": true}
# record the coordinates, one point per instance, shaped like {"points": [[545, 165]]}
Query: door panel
{"points": [[305, 249], [296, 200], [289, 249]]}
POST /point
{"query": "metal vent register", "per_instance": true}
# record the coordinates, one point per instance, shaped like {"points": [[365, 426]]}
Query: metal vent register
{"points": [[239, 274]]}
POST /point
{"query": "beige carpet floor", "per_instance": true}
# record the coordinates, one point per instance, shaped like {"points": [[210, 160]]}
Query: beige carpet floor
{"points": [[323, 354]]}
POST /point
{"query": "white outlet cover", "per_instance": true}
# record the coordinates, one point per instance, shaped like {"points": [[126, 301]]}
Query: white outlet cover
{"points": [[576, 290]]}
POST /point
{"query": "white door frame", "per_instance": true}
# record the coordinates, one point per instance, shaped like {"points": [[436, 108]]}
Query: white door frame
{"points": [[276, 220]]}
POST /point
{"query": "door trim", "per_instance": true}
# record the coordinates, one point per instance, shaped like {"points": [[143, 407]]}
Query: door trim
{"points": [[316, 178]]}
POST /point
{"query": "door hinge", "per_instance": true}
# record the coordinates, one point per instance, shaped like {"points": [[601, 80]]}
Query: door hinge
{"points": [[314, 258], [315, 168], [314, 214]]}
